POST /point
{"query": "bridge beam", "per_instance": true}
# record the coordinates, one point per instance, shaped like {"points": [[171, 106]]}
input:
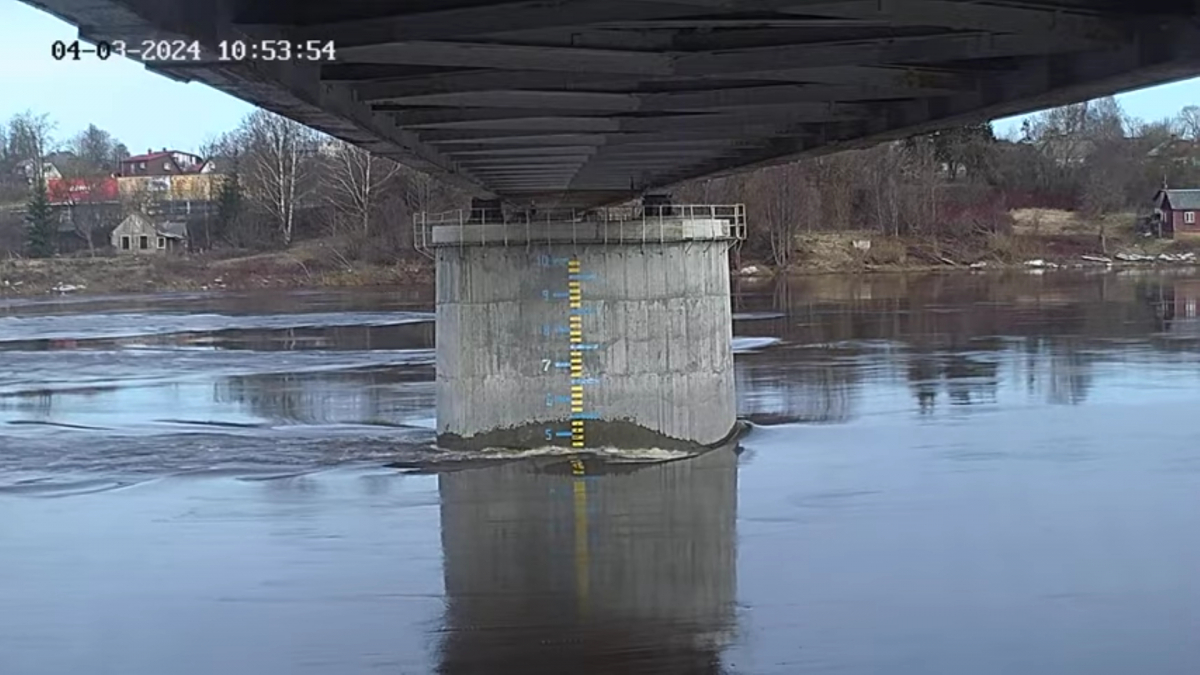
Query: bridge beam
{"points": [[1159, 52], [746, 82]]}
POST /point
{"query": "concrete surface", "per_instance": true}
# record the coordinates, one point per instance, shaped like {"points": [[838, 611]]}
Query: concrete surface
{"points": [[594, 101], [655, 331], [653, 230]]}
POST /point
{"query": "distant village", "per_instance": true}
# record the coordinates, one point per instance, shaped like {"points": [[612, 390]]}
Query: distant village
{"points": [[264, 185], [957, 195], [144, 207]]}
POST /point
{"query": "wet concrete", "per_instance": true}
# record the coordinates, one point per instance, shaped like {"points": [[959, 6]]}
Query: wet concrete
{"points": [[640, 334], [959, 474], [608, 434]]}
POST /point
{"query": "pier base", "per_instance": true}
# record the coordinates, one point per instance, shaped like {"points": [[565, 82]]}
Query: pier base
{"points": [[596, 341]]}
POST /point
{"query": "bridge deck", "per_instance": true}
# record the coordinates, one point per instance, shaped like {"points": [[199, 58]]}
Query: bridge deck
{"points": [[603, 98]]}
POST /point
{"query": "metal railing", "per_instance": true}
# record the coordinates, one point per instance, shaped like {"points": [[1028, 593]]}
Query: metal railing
{"points": [[619, 224]]}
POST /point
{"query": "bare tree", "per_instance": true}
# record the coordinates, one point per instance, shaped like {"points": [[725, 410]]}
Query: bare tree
{"points": [[1059, 134], [280, 167], [29, 139], [882, 174], [422, 192], [226, 145], [721, 190], [96, 149], [354, 179], [84, 192], [89, 221], [835, 177], [920, 162], [1188, 123], [782, 200]]}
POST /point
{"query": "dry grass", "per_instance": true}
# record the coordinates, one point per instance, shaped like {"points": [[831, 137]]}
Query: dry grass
{"points": [[827, 251], [1063, 237], [1040, 222], [1056, 222], [303, 267], [887, 252], [99, 275]]}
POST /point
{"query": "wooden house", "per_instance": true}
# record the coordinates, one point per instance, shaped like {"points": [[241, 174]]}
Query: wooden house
{"points": [[1177, 213], [162, 163], [137, 234]]}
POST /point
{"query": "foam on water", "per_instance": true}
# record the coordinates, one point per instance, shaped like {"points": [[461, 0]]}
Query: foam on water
{"points": [[609, 454], [745, 345]]}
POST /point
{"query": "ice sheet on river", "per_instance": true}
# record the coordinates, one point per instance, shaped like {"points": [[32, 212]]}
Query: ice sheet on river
{"points": [[131, 325]]}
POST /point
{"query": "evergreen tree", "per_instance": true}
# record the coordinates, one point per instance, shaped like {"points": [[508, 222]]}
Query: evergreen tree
{"points": [[229, 205], [41, 231]]}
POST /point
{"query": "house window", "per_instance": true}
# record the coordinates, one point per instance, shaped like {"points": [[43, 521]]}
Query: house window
{"points": [[143, 242], [124, 243], [142, 166], [166, 166], [162, 242], [1189, 217]]}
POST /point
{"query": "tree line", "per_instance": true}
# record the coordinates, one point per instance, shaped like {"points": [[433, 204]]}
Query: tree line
{"points": [[279, 181], [283, 181], [1089, 157]]}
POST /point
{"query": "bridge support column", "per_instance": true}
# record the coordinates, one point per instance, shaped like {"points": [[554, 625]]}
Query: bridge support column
{"points": [[582, 335]]}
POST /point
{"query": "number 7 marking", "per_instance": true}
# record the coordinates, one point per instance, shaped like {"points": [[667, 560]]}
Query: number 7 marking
{"points": [[546, 363]]}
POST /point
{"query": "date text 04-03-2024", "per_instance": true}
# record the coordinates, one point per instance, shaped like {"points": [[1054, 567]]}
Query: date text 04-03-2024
{"points": [[185, 50]]}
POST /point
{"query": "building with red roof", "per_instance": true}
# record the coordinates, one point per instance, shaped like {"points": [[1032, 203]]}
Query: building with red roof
{"points": [[162, 163]]}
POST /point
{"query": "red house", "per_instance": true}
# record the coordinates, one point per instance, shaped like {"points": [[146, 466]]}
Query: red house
{"points": [[162, 163], [82, 190], [1178, 211]]}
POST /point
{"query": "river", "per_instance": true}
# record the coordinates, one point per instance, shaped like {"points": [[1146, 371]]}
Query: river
{"points": [[945, 474]]}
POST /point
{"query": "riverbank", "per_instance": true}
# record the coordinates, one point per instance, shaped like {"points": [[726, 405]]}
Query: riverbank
{"points": [[1039, 239], [304, 266]]}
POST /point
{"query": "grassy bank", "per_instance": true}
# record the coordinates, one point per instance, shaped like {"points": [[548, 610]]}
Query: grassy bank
{"points": [[308, 265], [1053, 238], [1039, 237]]}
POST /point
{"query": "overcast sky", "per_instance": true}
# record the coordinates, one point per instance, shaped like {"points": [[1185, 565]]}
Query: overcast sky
{"points": [[150, 111]]}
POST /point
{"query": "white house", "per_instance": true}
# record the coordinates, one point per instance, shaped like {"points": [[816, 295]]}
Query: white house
{"points": [[28, 169], [138, 234]]}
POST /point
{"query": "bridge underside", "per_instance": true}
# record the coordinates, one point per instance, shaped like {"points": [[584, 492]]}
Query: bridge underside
{"points": [[590, 101]]}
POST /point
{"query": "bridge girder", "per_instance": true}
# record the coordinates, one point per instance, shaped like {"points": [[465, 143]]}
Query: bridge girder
{"points": [[586, 101]]}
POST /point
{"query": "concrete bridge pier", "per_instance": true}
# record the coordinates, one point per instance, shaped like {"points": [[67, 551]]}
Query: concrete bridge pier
{"points": [[606, 330]]}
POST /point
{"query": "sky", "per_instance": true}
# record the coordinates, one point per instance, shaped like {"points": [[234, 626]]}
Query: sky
{"points": [[141, 109], [146, 111]]}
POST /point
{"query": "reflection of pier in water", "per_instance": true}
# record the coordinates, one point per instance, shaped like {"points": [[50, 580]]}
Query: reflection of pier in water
{"points": [[630, 571]]}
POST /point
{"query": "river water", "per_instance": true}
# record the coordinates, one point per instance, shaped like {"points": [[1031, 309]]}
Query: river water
{"points": [[946, 474]]}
